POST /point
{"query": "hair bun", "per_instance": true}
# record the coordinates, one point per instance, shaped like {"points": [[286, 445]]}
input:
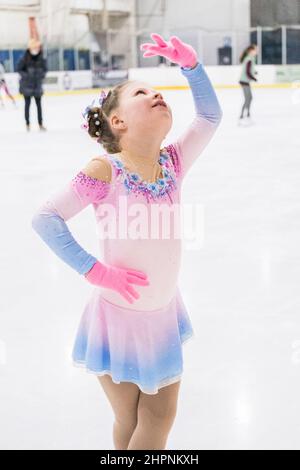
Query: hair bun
{"points": [[95, 119]]}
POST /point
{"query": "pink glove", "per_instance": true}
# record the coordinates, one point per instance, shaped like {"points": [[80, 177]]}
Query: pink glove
{"points": [[176, 51], [117, 279]]}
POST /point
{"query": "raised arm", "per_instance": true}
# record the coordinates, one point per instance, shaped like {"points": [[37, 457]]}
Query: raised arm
{"points": [[50, 219], [208, 112], [195, 138]]}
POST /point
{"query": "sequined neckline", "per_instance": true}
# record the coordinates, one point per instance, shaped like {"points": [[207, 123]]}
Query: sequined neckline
{"points": [[158, 188]]}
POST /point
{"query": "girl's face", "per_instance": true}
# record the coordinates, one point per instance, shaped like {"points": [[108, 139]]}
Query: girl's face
{"points": [[140, 112], [254, 51], [35, 50]]}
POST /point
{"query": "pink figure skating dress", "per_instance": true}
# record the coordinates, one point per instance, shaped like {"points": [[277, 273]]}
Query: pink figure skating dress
{"points": [[139, 342]]}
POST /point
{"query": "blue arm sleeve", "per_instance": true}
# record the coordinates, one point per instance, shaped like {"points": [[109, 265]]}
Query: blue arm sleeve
{"points": [[55, 233], [50, 220], [204, 96], [194, 139]]}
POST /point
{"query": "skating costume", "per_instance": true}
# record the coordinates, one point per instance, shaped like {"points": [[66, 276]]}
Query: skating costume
{"points": [[2, 77], [248, 70], [139, 342]]}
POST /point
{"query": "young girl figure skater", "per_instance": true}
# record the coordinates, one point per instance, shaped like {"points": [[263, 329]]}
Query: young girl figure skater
{"points": [[3, 85], [133, 327], [248, 73]]}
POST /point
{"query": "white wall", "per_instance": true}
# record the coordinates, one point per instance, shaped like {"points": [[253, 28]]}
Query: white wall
{"points": [[53, 20], [162, 76], [205, 15], [20, 3], [117, 5], [15, 31], [54, 24], [219, 75], [209, 15]]}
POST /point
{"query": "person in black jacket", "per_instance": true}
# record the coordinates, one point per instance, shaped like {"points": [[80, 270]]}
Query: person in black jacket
{"points": [[32, 69]]}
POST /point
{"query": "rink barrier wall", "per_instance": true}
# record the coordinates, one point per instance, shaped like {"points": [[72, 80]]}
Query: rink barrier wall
{"points": [[165, 78]]}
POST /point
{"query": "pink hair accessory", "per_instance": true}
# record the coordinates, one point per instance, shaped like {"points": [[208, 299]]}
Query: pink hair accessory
{"points": [[85, 113], [102, 98]]}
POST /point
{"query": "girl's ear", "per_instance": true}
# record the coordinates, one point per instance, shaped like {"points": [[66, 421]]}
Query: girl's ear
{"points": [[117, 123]]}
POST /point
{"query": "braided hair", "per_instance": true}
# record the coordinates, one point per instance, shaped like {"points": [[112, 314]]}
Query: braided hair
{"points": [[98, 122]]}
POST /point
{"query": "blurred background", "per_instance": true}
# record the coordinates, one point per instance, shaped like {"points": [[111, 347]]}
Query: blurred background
{"points": [[94, 40]]}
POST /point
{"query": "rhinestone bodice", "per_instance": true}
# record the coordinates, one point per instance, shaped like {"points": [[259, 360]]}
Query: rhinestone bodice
{"points": [[152, 190]]}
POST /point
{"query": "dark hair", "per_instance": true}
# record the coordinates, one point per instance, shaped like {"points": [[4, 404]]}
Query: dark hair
{"points": [[98, 123], [246, 51], [28, 56]]}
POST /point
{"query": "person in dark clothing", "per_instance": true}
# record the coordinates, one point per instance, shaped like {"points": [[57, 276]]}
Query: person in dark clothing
{"points": [[248, 73], [32, 69], [3, 85]]}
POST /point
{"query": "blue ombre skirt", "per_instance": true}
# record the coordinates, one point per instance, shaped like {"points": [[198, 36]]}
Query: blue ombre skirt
{"points": [[143, 347]]}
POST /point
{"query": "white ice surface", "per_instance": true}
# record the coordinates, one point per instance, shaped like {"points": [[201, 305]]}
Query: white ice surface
{"points": [[241, 383]]}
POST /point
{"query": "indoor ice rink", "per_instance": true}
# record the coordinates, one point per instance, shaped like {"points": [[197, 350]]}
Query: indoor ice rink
{"points": [[241, 381]]}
